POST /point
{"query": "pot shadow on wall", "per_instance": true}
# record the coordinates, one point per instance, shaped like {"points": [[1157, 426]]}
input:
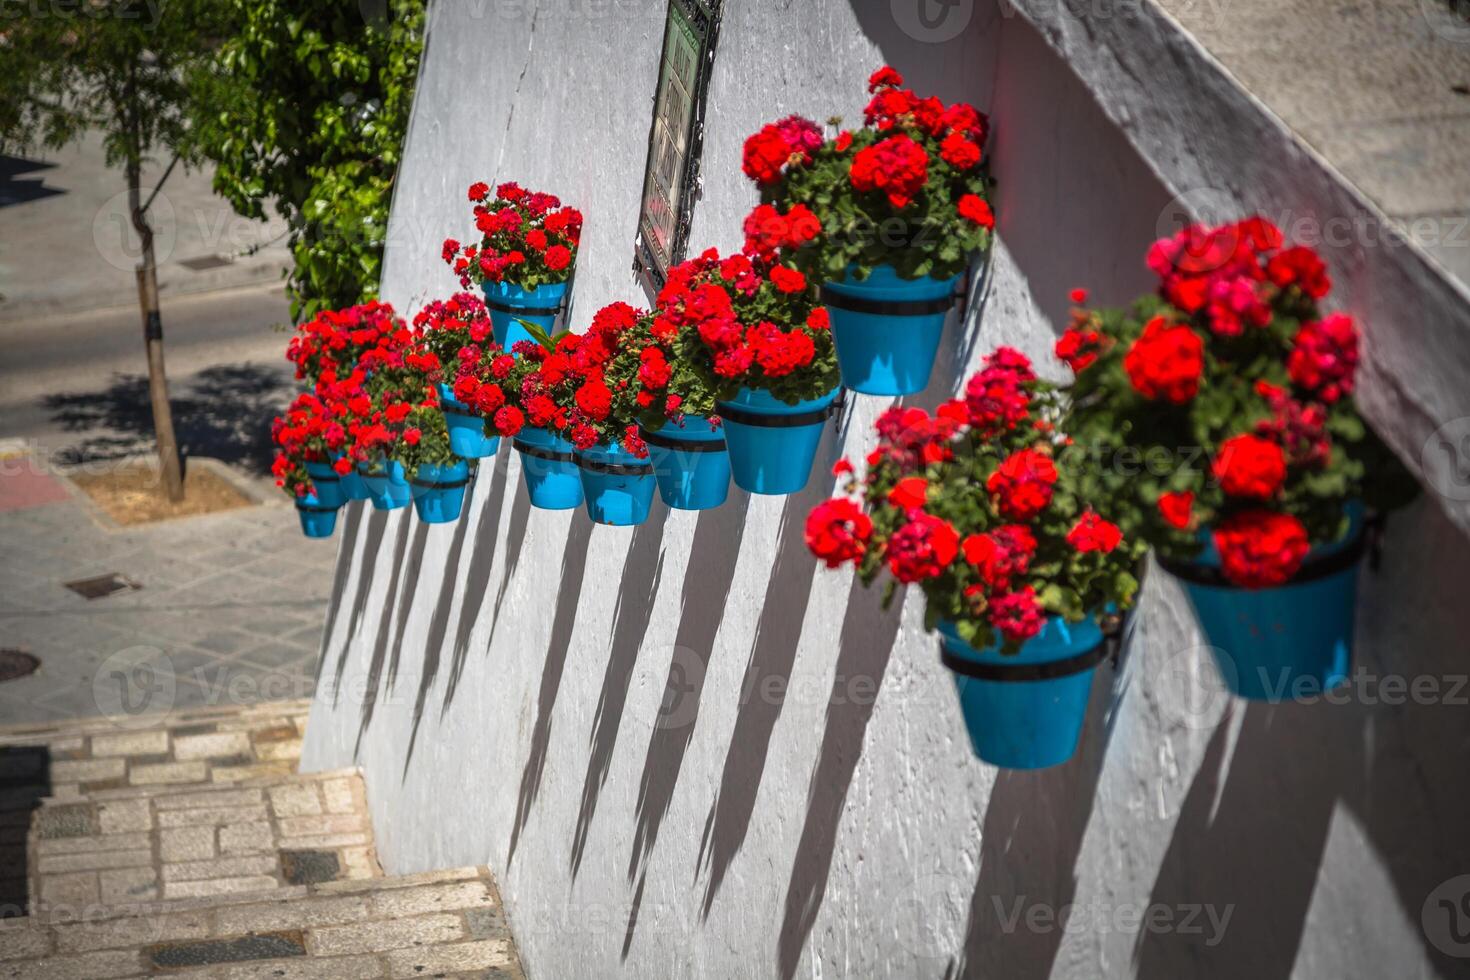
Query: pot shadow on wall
{"points": [[563, 619], [637, 592], [1253, 828], [714, 552]]}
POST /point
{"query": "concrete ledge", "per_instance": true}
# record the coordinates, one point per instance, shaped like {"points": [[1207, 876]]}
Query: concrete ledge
{"points": [[1224, 152]]}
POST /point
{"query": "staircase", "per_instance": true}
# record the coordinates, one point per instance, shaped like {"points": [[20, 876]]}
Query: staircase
{"points": [[194, 849]]}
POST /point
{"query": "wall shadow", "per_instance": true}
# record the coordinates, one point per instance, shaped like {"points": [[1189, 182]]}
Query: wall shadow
{"points": [[864, 647], [1253, 828], [564, 618], [351, 527], [367, 565], [642, 572], [714, 552], [764, 686], [405, 599], [25, 780], [373, 686], [515, 538], [477, 579], [222, 412]]}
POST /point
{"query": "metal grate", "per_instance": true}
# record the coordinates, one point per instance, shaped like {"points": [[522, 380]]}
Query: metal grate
{"points": [[15, 664], [102, 586], [204, 262]]}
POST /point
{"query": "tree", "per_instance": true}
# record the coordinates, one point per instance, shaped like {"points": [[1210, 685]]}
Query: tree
{"points": [[114, 66], [304, 108]]}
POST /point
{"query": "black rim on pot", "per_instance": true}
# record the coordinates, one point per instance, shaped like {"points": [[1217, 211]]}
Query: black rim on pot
{"points": [[500, 307], [537, 452], [888, 307], [741, 416], [683, 445], [1050, 670], [1313, 569], [615, 469]]}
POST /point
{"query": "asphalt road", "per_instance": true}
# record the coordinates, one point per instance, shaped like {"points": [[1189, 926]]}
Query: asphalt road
{"points": [[76, 384]]}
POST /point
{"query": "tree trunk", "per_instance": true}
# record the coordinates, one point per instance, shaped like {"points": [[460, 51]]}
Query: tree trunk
{"points": [[169, 465]]}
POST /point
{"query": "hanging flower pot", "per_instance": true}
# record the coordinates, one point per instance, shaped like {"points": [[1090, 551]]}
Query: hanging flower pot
{"points": [[318, 520], [353, 488], [1224, 402], [1026, 710], [510, 304], [972, 506], [550, 467], [1286, 642], [887, 217], [772, 444], [887, 328], [387, 485], [438, 491], [327, 483], [618, 485], [467, 436], [523, 259], [691, 463]]}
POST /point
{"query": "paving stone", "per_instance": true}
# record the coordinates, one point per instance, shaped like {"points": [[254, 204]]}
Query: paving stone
{"points": [[310, 867], [169, 773], [211, 746], [327, 823], [125, 816], [336, 968], [458, 958], [263, 946], [212, 817], [375, 937], [296, 801], [132, 931], [435, 898], [125, 886], [209, 887], [92, 861], [487, 923], [84, 966], [66, 821], [20, 939], [358, 862], [131, 743], [245, 838], [339, 796], [279, 751], [231, 867], [213, 799], [302, 913], [238, 774], [73, 891], [88, 770], [283, 732], [186, 843], [319, 842]]}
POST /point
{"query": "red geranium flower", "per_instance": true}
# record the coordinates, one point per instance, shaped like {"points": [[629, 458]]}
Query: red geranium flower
{"points": [[1249, 466], [788, 280], [923, 548], [897, 166], [974, 208], [1092, 533], [909, 493], [1261, 549], [1166, 362], [959, 152], [1002, 554], [1022, 485], [837, 531], [1324, 359], [1176, 508], [1018, 615]]}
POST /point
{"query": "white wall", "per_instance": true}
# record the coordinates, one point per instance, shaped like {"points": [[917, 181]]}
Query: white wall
{"points": [[500, 680]]}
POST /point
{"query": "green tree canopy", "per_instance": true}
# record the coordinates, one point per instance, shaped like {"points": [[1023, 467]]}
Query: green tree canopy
{"points": [[304, 108]]}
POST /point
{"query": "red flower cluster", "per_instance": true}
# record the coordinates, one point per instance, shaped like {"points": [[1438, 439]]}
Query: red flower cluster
{"points": [[837, 532], [334, 340], [897, 166], [996, 397], [922, 549], [528, 238], [768, 232], [1092, 533], [1261, 549], [1001, 555], [1324, 357], [1249, 466], [1017, 615], [1022, 484], [777, 144], [1166, 362]]}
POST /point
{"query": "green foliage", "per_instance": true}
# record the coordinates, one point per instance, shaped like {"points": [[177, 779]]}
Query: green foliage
{"points": [[303, 109]]}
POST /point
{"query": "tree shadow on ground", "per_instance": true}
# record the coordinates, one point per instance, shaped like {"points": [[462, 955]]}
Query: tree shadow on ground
{"points": [[223, 412], [15, 191]]}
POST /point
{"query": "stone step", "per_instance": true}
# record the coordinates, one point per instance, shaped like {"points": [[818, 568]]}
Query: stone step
{"points": [[164, 843], [441, 924]]}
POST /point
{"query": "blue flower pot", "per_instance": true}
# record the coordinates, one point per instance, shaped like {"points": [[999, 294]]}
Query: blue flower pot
{"points": [[318, 520], [1286, 643], [328, 484], [467, 436], [552, 478], [691, 464], [438, 491], [387, 486], [772, 445], [352, 486], [618, 485], [1026, 711], [887, 329], [509, 303]]}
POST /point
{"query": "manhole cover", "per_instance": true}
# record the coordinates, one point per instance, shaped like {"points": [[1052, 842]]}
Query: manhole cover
{"points": [[102, 586], [15, 664]]}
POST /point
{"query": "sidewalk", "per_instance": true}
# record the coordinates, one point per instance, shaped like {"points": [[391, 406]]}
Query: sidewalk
{"points": [[229, 607]]}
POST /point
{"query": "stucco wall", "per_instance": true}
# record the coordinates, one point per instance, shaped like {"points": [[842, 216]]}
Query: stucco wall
{"points": [[805, 802]]}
